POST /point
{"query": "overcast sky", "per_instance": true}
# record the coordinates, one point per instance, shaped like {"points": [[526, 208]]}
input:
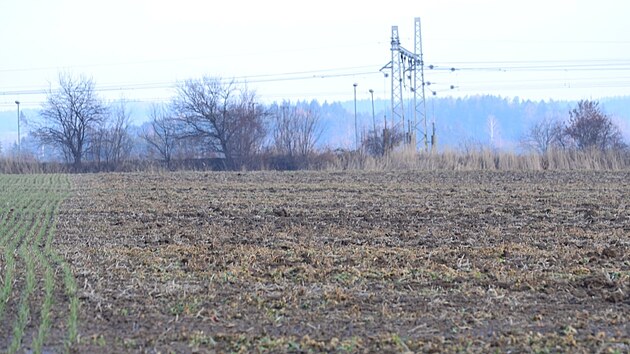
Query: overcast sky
{"points": [[138, 49]]}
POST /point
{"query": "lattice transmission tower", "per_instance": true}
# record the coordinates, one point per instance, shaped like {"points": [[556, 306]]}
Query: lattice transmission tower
{"points": [[407, 78]]}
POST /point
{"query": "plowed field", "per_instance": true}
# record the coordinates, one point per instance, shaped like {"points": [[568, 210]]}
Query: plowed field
{"points": [[348, 262]]}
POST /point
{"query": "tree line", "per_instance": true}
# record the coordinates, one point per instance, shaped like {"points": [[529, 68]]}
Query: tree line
{"points": [[588, 128], [212, 123], [208, 119]]}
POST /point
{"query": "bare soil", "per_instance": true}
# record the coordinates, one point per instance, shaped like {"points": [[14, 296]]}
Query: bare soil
{"points": [[350, 262]]}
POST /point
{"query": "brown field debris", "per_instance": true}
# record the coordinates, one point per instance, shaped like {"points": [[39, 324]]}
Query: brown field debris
{"points": [[356, 261]]}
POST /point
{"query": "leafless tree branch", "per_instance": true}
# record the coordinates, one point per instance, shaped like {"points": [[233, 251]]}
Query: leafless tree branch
{"points": [[70, 114]]}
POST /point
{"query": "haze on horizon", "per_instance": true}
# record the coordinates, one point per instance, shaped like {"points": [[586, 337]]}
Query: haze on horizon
{"points": [[139, 49]]}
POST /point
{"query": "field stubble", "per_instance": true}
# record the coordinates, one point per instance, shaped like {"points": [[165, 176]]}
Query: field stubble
{"points": [[353, 261]]}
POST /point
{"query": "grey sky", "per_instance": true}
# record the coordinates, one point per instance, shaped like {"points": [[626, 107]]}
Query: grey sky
{"points": [[303, 50]]}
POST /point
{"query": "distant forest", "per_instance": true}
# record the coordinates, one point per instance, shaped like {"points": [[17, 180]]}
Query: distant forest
{"points": [[458, 121]]}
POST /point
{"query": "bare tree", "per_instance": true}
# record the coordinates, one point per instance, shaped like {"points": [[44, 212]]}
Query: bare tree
{"points": [[223, 115], [70, 114], [492, 126], [543, 135], [283, 141], [296, 130], [309, 131], [111, 143], [163, 133], [251, 130], [589, 127], [119, 139]]}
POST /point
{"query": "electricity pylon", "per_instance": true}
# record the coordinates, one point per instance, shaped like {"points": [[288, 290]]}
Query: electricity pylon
{"points": [[407, 66]]}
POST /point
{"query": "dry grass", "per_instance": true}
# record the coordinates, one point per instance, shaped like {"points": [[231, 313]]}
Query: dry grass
{"points": [[489, 160], [474, 159]]}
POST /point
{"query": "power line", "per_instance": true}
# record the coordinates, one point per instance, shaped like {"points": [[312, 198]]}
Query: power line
{"points": [[519, 41], [586, 65], [599, 67], [260, 78], [174, 60]]}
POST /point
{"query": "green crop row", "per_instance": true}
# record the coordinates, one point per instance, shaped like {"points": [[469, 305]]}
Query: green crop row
{"points": [[28, 209]]}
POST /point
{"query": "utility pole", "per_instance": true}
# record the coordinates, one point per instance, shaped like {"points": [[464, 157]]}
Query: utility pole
{"points": [[18, 123], [373, 116], [433, 136], [356, 126]]}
